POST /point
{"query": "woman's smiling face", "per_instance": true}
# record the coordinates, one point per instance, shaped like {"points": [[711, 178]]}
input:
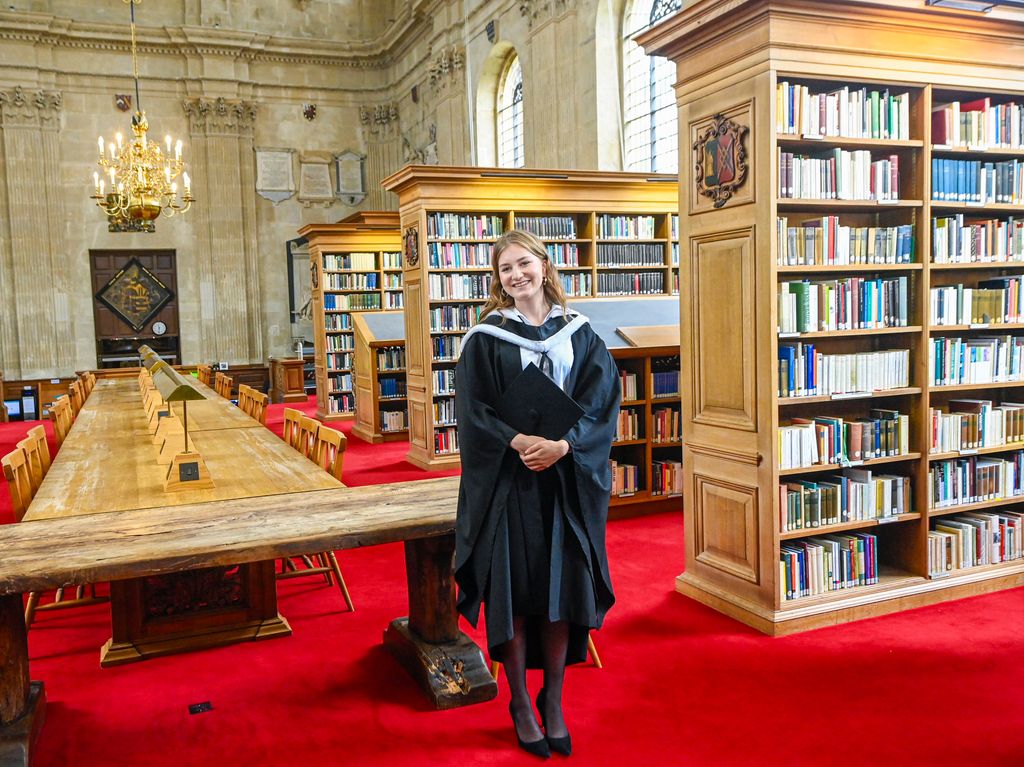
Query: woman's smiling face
{"points": [[521, 273]]}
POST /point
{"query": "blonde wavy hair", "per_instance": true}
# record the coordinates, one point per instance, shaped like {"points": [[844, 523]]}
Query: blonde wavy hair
{"points": [[498, 298]]}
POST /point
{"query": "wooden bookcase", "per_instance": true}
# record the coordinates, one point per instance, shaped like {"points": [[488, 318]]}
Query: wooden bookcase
{"points": [[341, 285], [379, 363], [449, 217], [733, 408]]}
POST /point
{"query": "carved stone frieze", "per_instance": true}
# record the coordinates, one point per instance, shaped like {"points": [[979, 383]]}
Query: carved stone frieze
{"points": [[446, 70], [33, 109], [380, 120], [220, 117], [535, 11]]}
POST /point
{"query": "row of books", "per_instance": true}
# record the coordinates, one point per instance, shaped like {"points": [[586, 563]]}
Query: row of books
{"points": [[631, 254], [458, 255], [357, 301], [392, 281], [970, 424], [444, 382], [548, 227], [339, 360], [956, 239], [855, 495], [394, 300], [973, 540], [666, 478], [337, 322], [339, 382], [391, 358], [446, 440], [394, 420], [805, 372], [630, 283], [627, 426], [576, 283], [625, 478], [446, 318], [362, 261], [445, 348], [851, 303], [464, 226], [978, 182], [341, 402], [353, 281], [826, 563], [392, 388], [341, 342], [845, 112], [834, 440], [391, 260], [666, 425], [458, 285], [563, 253], [992, 302], [444, 412], [627, 380], [612, 227], [839, 174], [824, 241], [665, 383], [978, 124], [975, 479], [985, 359]]}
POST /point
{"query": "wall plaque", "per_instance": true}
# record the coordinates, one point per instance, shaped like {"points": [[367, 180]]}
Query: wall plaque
{"points": [[274, 179]]}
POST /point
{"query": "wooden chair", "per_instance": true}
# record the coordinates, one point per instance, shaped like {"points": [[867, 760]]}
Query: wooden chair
{"points": [[292, 419], [244, 398], [38, 434], [30, 447], [258, 405], [329, 450], [60, 414], [77, 397], [204, 374], [308, 429]]}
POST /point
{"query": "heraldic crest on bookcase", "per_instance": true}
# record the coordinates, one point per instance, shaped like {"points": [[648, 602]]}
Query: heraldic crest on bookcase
{"points": [[720, 159], [411, 245]]}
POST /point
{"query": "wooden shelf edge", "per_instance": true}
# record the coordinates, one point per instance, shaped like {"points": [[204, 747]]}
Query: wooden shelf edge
{"points": [[862, 524]]}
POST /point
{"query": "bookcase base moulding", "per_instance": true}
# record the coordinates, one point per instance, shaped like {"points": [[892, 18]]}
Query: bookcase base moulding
{"points": [[855, 212]]}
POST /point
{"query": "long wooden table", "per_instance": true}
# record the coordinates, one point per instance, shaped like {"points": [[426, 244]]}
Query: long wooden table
{"points": [[108, 463]]}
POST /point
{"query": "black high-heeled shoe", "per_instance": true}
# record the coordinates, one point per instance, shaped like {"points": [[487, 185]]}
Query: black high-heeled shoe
{"points": [[536, 747], [562, 745]]}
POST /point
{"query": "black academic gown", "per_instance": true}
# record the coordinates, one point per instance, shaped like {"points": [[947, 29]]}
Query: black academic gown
{"points": [[580, 586]]}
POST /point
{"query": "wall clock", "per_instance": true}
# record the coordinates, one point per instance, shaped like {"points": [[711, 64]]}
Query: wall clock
{"points": [[159, 328]]}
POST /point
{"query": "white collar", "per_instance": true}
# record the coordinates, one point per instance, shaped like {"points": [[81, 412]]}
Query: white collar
{"points": [[577, 322], [511, 313]]}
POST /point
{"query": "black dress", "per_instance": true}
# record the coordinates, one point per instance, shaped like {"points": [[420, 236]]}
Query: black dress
{"points": [[531, 543]]}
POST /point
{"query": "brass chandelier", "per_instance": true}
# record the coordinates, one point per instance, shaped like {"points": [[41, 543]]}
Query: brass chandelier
{"points": [[142, 176]]}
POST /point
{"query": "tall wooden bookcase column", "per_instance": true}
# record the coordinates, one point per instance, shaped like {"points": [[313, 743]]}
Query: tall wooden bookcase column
{"points": [[451, 215], [341, 284], [730, 58]]}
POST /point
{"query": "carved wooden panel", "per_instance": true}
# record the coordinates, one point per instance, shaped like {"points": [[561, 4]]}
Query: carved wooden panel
{"points": [[418, 423], [725, 526], [723, 352], [729, 159], [414, 353]]}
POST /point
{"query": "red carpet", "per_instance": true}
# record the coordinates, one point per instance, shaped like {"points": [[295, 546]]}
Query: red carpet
{"points": [[682, 685]]}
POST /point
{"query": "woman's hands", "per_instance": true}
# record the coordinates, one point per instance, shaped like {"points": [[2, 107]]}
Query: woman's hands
{"points": [[539, 453]]}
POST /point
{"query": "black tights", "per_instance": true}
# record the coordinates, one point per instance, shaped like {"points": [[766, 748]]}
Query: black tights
{"points": [[554, 637]]}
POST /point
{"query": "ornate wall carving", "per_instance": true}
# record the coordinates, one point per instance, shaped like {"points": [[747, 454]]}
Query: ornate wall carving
{"points": [[447, 70], [536, 11], [384, 150], [220, 117]]}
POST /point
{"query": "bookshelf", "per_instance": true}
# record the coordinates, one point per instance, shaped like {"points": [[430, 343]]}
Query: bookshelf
{"points": [[381, 411], [866, 275], [354, 266], [608, 233]]}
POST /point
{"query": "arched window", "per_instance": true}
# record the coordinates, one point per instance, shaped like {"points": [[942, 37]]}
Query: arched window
{"points": [[651, 130], [510, 116]]}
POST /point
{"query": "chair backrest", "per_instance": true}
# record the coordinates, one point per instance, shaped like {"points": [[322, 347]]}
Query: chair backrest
{"points": [[205, 374], [244, 398], [292, 417], [227, 385], [38, 433], [60, 414], [258, 405], [77, 398], [218, 383], [330, 450], [19, 481], [308, 429], [37, 465]]}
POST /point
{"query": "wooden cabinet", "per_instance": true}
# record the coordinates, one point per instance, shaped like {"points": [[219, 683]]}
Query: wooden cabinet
{"points": [[355, 265], [858, 156], [287, 380], [608, 234]]}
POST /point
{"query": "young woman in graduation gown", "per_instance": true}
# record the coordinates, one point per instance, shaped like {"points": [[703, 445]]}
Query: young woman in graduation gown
{"points": [[530, 532]]}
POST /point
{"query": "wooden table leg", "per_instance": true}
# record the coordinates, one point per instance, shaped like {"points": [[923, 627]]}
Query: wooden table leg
{"points": [[22, 703], [447, 663]]}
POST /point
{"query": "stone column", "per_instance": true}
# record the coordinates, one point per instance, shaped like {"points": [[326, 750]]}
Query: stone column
{"points": [[448, 89], [35, 326], [383, 152], [226, 241]]}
